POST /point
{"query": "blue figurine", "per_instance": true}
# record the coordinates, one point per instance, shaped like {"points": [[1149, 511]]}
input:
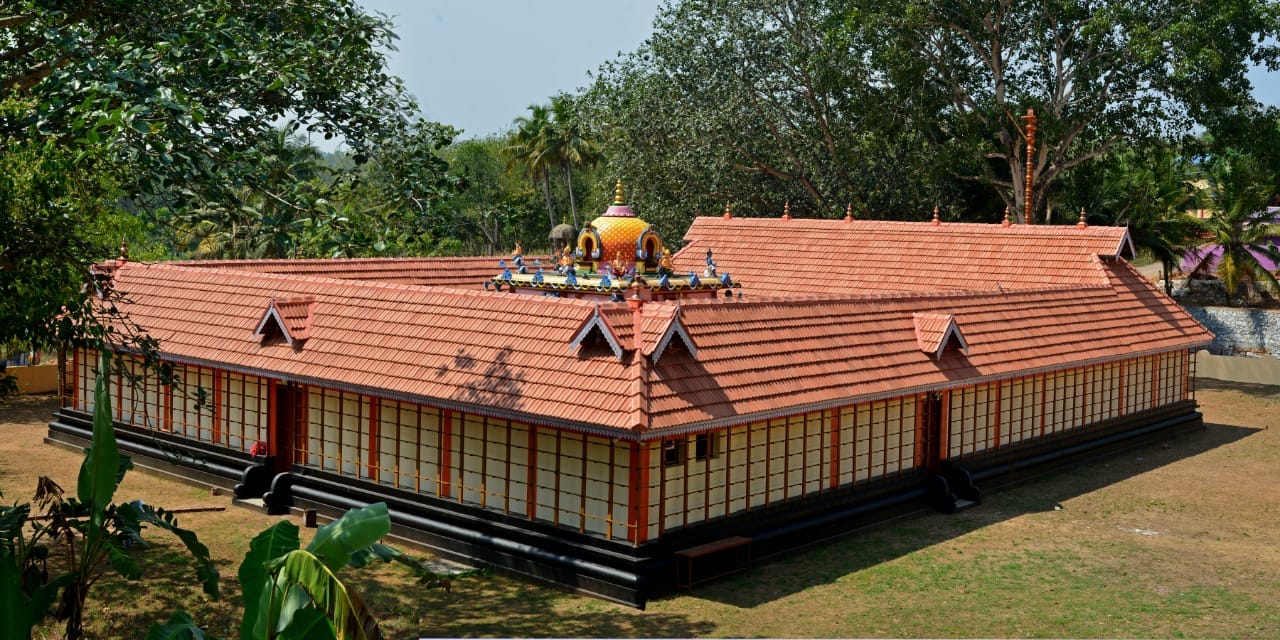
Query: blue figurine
{"points": [[726, 280], [694, 281], [571, 278], [537, 277], [506, 274], [605, 282], [664, 282]]}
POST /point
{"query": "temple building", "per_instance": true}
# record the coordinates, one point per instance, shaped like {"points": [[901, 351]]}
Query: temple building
{"points": [[619, 418]]}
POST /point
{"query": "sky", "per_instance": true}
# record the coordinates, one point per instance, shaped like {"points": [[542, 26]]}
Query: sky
{"points": [[478, 64]]}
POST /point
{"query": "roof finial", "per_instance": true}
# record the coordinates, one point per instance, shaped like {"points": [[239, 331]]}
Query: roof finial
{"points": [[124, 250], [936, 220], [848, 213], [1006, 222], [786, 211], [617, 193], [1081, 223], [728, 210]]}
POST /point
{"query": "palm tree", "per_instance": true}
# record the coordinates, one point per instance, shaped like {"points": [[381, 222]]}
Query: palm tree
{"points": [[1150, 194], [533, 146], [573, 145], [1237, 196], [264, 217]]}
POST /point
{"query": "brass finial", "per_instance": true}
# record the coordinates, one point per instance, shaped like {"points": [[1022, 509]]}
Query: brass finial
{"points": [[936, 219], [1006, 221], [786, 211], [848, 213], [617, 193], [1081, 223], [124, 250], [728, 211]]}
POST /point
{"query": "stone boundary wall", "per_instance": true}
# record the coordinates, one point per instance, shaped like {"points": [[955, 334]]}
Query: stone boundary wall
{"points": [[1239, 330], [1237, 369]]}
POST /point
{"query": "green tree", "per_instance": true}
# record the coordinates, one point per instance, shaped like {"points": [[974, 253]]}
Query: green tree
{"points": [[1149, 191], [765, 102], [271, 212], [168, 102], [88, 535], [1237, 195], [574, 144], [1095, 72], [533, 151]]}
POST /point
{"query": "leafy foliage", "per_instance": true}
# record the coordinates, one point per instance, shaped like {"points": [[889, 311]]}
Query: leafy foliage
{"points": [[1238, 194], [295, 593], [92, 533]]}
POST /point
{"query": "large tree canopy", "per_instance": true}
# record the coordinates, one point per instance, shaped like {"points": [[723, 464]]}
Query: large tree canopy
{"points": [[167, 104], [758, 102], [902, 105], [183, 90], [1095, 71]]}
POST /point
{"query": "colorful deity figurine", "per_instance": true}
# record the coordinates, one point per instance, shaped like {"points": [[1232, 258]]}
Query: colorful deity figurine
{"points": [[517, 259], [618, 265], [566, 261], [664, 264], [710, 271]]}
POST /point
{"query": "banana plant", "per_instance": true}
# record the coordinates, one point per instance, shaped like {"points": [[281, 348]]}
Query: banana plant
{"points": [[290, 592], [93, 533]]}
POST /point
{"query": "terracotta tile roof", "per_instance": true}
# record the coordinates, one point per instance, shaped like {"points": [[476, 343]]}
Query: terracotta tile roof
{"points": [[496, 352], [510, 355], [467, 272], [759, 356], [935, 330], [771, 256], [292, 316]]}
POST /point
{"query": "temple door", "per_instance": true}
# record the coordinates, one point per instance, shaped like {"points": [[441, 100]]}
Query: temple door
{"points": [[287, 413], [930, 435]]}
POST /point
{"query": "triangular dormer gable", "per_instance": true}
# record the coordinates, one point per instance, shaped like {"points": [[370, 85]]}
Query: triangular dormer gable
{"points": [[1125, 249], [595, 328], [289, 318], [935, 332], [674, 329]]}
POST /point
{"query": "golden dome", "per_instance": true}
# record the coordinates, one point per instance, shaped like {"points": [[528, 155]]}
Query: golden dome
{"points": [[619, 231]]}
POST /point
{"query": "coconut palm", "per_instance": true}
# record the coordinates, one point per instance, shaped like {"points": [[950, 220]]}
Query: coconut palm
{"points": [[573, 146], [534, 147], [1150, 194], [1237, 196]]}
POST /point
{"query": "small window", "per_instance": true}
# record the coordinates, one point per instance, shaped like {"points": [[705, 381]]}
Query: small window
{"points": [[706, 446], [672, 452]]}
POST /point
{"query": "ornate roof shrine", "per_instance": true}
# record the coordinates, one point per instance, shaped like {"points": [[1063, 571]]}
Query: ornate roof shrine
{"points": [[618, 256]]}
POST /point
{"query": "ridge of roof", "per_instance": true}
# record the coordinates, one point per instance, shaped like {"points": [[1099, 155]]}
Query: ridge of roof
{"points": [[302, 280]]}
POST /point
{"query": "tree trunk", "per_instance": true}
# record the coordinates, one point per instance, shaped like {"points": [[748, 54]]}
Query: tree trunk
{"points": [[546, 191], [1167, 265], [573, 207]]}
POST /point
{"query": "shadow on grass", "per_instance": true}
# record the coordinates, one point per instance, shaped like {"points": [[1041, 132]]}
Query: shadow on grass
{"points": [[791, 573], [1268, 391], [499, 605]]}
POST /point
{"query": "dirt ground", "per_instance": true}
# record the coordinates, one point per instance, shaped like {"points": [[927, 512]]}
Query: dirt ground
{"points": [[1175, 539]]}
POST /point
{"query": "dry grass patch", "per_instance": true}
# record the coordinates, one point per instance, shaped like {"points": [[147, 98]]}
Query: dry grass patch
{"points": [[1176, 539]]}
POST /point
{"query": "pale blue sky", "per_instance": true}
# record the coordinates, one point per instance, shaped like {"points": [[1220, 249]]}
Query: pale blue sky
{"points": [[477, 64]]}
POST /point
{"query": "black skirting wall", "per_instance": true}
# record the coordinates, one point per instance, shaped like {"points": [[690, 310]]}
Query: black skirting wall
{"points": [[611, 570]]}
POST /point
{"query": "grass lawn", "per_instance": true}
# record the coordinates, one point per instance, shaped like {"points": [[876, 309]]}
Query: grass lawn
{"points": [[1177, 539]]}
